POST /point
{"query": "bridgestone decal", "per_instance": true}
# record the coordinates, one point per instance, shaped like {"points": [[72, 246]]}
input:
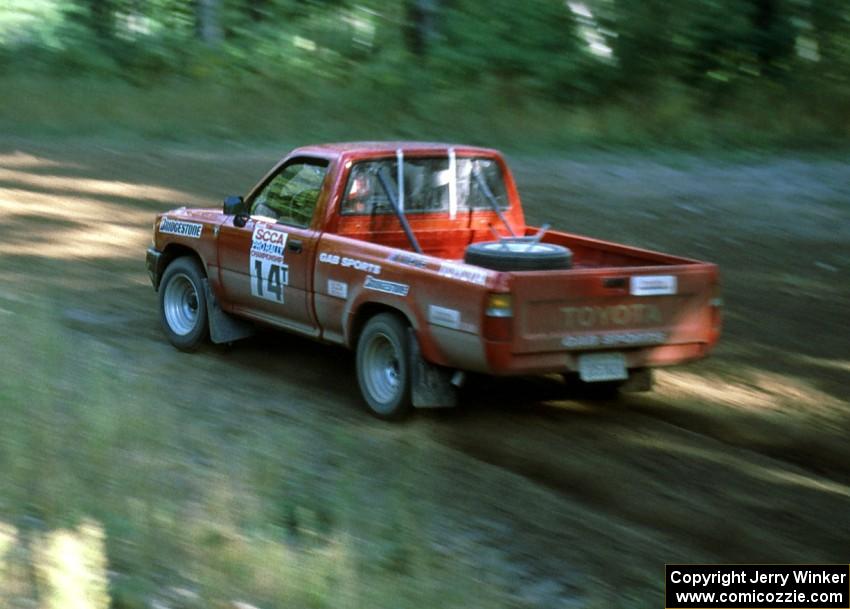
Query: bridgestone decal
{"points": [[178, 227], [389, 287]]}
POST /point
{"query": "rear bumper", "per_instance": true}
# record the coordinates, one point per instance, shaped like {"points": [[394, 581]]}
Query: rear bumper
{"points": [[153, 263], [501, 362]]}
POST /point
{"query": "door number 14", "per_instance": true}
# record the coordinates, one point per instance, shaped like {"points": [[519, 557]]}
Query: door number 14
{"points": [[268, 279]]}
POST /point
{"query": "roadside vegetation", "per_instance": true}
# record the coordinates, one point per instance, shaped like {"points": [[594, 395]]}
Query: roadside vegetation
{"points": [[731, 73], [119, 487]]}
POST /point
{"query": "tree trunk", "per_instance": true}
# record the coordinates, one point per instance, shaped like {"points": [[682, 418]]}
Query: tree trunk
{"points": [[421, 25], [256, 10], [207, 21], [774, 35], [101, 14]]}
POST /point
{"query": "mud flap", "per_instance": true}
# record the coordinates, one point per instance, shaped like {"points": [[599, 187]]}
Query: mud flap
{"points": [[430, 385], [224, 328], [640, 380]]}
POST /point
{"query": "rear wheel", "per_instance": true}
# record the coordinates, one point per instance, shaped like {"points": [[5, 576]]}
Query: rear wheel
{"points": [[383, 370], [182, 304]]}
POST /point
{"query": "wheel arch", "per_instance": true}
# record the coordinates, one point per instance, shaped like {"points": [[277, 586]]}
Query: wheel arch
{"points": [[172, 252], [367, 311]]}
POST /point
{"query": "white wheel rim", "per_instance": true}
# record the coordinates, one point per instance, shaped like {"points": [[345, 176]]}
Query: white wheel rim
{"points": [[180, 303], [518, 247], [382, 369]]}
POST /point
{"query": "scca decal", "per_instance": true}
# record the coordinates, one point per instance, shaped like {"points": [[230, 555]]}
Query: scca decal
{"points": [[267, 241]]}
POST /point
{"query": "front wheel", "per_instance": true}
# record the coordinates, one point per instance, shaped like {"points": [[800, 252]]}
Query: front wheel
{"points": [[182, 304], [383, 370]]}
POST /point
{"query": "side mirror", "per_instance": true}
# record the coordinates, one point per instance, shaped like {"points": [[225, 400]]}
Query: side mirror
{"points": [[235, 206]]}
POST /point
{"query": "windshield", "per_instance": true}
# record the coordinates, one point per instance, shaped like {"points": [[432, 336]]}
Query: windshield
{"points": [[427, 185]]}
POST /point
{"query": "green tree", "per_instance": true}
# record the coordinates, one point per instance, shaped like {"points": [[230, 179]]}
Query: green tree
{"points": [[830, 23], [646, 44], [525, 47]]}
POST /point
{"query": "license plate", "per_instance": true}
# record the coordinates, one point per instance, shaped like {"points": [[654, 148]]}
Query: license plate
{"points": [[594, 367]]}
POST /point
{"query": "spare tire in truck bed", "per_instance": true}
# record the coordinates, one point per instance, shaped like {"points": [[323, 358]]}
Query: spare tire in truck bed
{"points": [[518, 255]]}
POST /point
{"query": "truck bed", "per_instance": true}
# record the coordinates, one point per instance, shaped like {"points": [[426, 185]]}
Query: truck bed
{"points": [[451, 243], [594, 305]]}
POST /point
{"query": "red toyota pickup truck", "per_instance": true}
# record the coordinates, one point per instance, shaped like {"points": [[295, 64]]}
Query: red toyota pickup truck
{"points": [[417, 256]]}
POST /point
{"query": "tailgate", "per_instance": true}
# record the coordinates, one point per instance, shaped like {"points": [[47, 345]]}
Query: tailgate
{"points": [[587, 309]]}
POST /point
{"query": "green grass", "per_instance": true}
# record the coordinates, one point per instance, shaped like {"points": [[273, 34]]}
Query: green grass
{"points": [[109, 473], [260, 112]]}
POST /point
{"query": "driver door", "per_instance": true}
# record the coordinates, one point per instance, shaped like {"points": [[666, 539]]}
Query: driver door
{"points": [[266, 265]]}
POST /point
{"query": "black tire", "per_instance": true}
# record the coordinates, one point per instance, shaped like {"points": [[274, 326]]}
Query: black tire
{"points": [[517, 255], [383, 367], [183, 304]]}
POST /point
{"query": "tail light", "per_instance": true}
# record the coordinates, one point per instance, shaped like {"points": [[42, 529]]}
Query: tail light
{"points": [[499, 305], [498, 317]]}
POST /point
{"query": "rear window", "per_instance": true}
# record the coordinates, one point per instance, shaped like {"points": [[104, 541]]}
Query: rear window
{"points": [[427, 185]]}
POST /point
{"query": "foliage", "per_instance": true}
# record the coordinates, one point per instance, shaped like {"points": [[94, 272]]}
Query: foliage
{"points": [[421, 58]]}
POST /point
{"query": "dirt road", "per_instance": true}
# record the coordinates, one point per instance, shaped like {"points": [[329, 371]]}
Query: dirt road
{"points": [[565, 500]]}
